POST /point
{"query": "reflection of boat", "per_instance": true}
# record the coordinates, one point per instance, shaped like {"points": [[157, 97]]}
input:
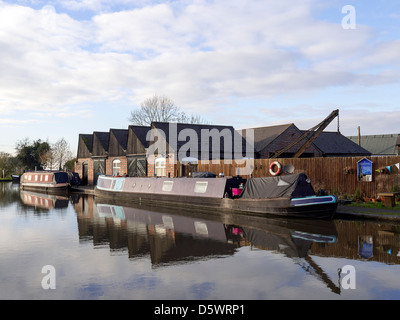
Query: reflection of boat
{"points": [[165, 220], [290, 195], [43, 201], [164, 235], [296, 245], [176, 234], [48, 181]]}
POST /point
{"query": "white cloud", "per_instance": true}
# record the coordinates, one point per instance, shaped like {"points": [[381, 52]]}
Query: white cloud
{"points": [[203, 54]]}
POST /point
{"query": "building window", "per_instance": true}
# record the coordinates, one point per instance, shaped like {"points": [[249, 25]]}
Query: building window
{"points": [[116, 167], [160, 167]]}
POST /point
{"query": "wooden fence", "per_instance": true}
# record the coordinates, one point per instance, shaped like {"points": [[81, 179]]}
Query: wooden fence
{"points": [[336, 175]]}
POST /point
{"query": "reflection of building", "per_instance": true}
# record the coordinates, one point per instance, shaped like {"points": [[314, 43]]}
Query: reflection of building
{"points": [[162, 236], [363, 240], [167, 235]]}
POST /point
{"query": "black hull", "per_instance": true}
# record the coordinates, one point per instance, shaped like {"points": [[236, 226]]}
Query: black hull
{"points": [[264, 207]]}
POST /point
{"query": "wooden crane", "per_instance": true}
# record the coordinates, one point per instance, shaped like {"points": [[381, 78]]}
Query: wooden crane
{"points": [[310, 136]]}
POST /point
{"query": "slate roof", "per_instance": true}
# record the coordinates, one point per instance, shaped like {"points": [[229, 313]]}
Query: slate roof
{"points": [[197, 129], [263, 136], [121, 135], [102, 139], [336, 144], [383, 144], [141, 134], [85, 145], [88, 140]]}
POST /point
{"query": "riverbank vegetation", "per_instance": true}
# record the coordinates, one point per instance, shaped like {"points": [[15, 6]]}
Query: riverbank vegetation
{"points": [[36, 155]]}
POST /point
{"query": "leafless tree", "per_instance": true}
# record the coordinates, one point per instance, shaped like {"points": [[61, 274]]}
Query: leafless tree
{"points": [[61, 152], [160, 109]]}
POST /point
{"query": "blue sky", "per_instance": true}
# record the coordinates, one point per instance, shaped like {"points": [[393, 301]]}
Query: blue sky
{"points": [[70, 67]]}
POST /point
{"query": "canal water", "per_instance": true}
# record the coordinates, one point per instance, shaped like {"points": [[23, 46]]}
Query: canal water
{"points": [[79, 247]]}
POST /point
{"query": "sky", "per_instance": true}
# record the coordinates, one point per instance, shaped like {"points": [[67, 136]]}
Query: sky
{"points": [[78, 66]]}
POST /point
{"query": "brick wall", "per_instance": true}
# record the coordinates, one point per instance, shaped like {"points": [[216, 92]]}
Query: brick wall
{"points": [[172, 169], [123, 165], [79, 169]]}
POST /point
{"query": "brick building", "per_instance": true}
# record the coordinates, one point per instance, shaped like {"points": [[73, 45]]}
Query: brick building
{"points": [[174, 149], [117, 152]]}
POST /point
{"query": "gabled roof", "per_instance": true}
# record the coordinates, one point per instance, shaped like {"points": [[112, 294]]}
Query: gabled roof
{"points": [[141, 134], [85, 145], [121, 135], [383, 144], [197, 129], [88, 141], [334, 143], [263, 136], [100, 143]]}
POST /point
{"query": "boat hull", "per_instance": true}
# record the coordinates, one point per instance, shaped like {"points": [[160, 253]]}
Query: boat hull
{"points": [[45, 181], [45, 189], [308, 207]]}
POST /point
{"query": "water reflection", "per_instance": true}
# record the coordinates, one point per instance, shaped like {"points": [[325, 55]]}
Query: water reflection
{"points": [[168, 238], [177, 235], [9, 193], [42, 201]]}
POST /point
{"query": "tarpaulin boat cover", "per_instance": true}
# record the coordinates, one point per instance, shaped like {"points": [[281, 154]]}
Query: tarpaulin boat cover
{"points": [[203, 174], [290, 186]]}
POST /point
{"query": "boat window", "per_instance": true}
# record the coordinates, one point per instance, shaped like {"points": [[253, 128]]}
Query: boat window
{"points": [[201, 186], [29, 177], [61, 177], [167, 185], [160, 167], [46, 177], [36, 177], [116, 167]]}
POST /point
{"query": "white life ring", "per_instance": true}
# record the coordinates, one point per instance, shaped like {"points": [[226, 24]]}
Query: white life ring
{"points": [[278, 165]]}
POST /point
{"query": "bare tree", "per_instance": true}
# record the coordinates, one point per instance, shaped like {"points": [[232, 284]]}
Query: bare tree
{"points": [[160, 109], [61, 152]]}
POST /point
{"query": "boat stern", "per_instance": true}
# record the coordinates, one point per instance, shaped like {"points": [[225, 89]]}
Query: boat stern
{"points": [[316, 206]]}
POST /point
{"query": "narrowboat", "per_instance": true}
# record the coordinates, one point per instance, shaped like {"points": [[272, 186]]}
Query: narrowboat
{"points": [[45, 181], [289, 195]]}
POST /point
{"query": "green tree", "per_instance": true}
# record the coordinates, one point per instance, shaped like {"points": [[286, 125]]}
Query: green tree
{"points": [[70, 164], [32, 155], [8, 165]]}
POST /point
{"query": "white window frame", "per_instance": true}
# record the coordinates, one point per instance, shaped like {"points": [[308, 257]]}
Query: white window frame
{"points": [[116, 167], [201, 187], [167, 186], [160, 167]]}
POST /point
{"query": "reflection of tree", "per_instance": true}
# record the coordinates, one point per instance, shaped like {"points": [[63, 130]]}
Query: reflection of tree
{"points": [[9, 193]]}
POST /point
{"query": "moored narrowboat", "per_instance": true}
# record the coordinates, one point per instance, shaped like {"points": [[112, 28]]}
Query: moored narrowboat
{"points": [[290, 195], [45, 181]]}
